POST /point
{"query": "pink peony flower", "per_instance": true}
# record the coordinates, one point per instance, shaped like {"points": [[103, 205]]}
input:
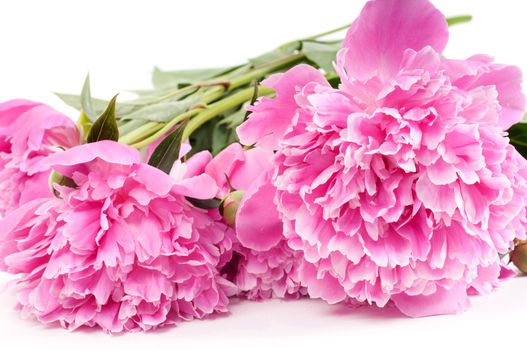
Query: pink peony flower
{"points": [[401, 184], [29, 131], [124, 250], [259, 271]]}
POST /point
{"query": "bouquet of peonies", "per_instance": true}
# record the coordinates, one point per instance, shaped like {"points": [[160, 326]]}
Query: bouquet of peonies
{"points": [[368, 171]]}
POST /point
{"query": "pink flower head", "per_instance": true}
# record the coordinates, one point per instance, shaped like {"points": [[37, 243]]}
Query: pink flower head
{"points": [[29, 131], [401, 184], [123, 250], [259, 271]]}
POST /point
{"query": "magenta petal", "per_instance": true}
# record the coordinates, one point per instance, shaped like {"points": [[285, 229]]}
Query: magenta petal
{"points": [[327, 288], [11, 110], [197, 163], [200, 187], [241, 166], [270, 118], [258, 225], [443, 301], [507, 80], [155, 180], [109, 151], [377, 40], [226, 163]]}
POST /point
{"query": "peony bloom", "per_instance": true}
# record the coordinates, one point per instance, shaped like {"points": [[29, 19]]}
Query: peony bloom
{"points": [[29, 131], [123, 250], [399, 186], [259, 271]]}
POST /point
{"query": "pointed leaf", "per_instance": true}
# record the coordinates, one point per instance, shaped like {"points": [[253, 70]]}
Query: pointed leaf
{"points": [[84, 123], [204, 203], [321, 53], [164, 112], [86, 102], [162, 78], [122, 109], [233, 120], [167, 152], [518, 138], [105, 127], [278, 53]]}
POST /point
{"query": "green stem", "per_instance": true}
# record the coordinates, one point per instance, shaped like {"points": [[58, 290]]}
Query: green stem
{"points": [[130, 125], [161, 132], [332, 31], [266, 69], [153, 130], [139, 133], [182, 91], [222, 106], [451, 21]]}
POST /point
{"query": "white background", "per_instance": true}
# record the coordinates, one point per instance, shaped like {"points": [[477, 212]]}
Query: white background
{"points": [[49, 46]]}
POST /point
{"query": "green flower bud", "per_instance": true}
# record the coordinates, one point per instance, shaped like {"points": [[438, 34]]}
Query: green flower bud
{"points": [[229, 206], [519, 256], [57, 178]]}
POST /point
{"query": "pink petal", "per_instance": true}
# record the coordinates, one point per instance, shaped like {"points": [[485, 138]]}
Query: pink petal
{"points": [[199, 187], [196, 164], [258, 225], [377, 40], [507, 80], [11, 110], [270, 118], [327, 288], [241, 166], [109, 151], [443, 301]]}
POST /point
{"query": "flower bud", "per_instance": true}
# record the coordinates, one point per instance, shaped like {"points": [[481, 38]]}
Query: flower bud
{"points": [[519, 256], [229, 206], [57, 178]]}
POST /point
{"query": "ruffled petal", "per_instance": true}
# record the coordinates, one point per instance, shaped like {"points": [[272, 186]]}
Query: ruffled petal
{"points": [[270, 118]]}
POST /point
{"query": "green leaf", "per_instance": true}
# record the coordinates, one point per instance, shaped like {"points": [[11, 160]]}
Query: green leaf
{"points": [[280, 52], [333, 80], [84, 123], [235, 119], [201, 139], [322, 54], [167, 152], [175, 78], [163, 112], [222, 136], [98, 105], [518, 138], [85, 100], [105, 127], [205, 203]]}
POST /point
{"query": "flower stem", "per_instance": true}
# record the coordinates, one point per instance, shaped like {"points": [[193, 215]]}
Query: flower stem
{"points": [[263, 70], [458, 19], [222, 106], [329, 32], [165, 129], [140, 133], [130, 125]]}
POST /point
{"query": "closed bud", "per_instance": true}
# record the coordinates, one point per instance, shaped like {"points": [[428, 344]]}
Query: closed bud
{"points": [[519, 256], [229, 206], [57, 178]]}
